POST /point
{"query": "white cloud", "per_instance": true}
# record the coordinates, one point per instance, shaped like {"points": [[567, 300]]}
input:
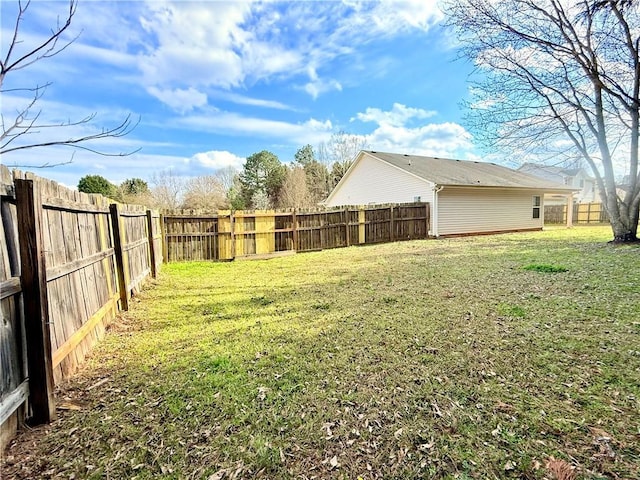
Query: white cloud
{"points": [[399, 115], [398, 131], [216, 159], [390, 16], [194, 43], [440, 140], [245, 100], [318, 86], [180, 100], [311, 131], [233, 44], [177, 46]]}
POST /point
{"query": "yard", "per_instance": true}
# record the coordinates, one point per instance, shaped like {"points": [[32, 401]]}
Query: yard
{"points": [[487, 357]]}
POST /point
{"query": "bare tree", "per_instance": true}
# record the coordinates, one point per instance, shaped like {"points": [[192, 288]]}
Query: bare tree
{"points": [[205, 193], [339, 152], [21, 131], [294, 192], [168, 190], [560, 78], [227, 177]]}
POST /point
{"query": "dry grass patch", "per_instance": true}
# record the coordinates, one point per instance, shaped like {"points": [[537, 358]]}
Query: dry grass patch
{"points": [[425, 359]]}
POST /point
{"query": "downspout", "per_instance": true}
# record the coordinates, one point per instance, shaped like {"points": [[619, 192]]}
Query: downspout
{"points": [[436, 189]]}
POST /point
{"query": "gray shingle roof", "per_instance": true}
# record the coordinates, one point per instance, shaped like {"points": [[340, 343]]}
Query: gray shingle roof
{"points": [[443, 171]]}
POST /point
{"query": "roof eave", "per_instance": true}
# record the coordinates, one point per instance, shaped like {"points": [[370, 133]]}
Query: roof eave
{"points": [[565, 191]]}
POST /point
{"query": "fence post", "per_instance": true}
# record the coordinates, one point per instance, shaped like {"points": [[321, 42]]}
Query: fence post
{"points": [[117, 247], [152, 249], [165, 239], [294, 224], [36, 303], [232, 227]]}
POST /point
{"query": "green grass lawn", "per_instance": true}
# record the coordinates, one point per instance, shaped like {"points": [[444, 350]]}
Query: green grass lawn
{"points": [[479, 357]]}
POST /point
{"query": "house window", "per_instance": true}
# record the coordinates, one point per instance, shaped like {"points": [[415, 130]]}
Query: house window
{"points": [[536, 206], [581, 183]]}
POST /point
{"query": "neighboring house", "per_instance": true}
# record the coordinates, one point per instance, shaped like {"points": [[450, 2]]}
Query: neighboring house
{"points": [[587, 190], [466, 197]]}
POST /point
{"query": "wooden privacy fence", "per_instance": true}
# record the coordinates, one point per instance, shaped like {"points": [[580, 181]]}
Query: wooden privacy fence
{"points": [[68, 262], [583, 213], [191, 235]]}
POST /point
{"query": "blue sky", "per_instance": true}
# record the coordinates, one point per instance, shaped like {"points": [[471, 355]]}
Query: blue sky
{"points": [[213, 82]]}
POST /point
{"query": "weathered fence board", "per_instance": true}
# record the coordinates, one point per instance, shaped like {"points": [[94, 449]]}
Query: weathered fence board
{"points": [[13, 361], [190, 235]]}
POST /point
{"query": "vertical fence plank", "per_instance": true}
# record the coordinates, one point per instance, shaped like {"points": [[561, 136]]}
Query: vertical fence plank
{"points": [[152, 249], [294, 225], [347, 227], [119, 254], [392, 236], [34, 288]]}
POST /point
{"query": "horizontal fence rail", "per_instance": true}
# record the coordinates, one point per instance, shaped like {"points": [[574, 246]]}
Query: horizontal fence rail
{"points": [[225, 235], [583, 213]]}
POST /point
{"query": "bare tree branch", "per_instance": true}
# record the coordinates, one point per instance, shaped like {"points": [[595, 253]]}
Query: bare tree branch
{"points": [[26, 123], [44, 50], [124, 128]]}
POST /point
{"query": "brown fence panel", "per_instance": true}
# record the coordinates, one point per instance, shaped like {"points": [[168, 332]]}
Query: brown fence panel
{"points": [[254, 233], [377, 225], [81, 276], [135, 246], [60, 246], [309, 228], [284, 231], [191, 235], [411, 222]]}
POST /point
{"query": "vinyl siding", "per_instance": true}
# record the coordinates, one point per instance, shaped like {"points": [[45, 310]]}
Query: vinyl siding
{"points": [[372, 181], [477, 210]]}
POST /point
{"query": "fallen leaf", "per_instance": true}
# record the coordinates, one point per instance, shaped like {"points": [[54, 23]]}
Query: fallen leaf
{"points": [[560, 469], [334, 462], [509, 465], [219, 475]]}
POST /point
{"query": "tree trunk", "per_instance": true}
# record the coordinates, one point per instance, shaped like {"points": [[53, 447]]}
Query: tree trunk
{"points": [[624, 225]]}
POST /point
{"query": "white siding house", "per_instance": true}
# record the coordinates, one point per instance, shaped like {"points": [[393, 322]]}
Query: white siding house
{"points": [[466, 197]]}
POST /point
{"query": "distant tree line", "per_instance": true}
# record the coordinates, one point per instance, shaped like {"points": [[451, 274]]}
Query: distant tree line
{"points": [[264, 181]]}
